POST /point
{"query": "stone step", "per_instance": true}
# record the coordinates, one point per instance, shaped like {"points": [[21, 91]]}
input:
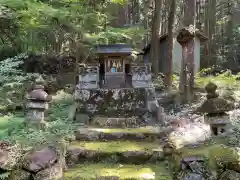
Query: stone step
{"points": [[115, 122], [147, 133], [114, 151], [89, 171]]}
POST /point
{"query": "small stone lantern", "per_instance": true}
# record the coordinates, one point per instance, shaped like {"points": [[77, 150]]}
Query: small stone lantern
{"points": [[37, 104], [215, 109]]}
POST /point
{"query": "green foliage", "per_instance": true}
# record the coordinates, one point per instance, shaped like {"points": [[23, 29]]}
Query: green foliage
{"points": [[224, 80], [10, 72], [54, 26], [4, 176], [59, 127], [13, 126]]}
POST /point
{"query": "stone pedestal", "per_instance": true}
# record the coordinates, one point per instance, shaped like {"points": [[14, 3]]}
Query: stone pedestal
{"points": [[220, 125]]}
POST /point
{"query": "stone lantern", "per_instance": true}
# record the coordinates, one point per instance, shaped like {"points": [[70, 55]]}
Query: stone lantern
{"points": [[37, 104], [215, 109]]}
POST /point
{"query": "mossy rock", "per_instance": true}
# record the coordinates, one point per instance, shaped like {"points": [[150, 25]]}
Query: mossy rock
{"points": [[122, 171], [19, 175], [229, 175], [215, 154]]}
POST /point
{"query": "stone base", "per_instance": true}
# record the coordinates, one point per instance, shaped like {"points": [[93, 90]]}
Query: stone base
{"points": [[35, 116], [102, 101], [115, 122], [220, 125]]}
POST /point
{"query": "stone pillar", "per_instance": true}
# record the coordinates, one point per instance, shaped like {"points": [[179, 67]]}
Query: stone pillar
{"points": [[87, 83], [186, 38], [36, 105]]}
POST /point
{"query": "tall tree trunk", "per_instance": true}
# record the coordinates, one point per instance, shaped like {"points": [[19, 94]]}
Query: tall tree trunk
{"points": [[209, 58], [154, 53], [230, 39], [171, 19]]}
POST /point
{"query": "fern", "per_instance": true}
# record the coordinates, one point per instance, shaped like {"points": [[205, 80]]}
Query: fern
{"points": [[4, 175], [10, 71]]}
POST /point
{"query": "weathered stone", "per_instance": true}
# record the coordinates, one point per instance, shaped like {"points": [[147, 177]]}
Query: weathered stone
{"points": [[212, 95], [82, 118], [39, 160], [157, 154], [86, 134], [19, 175], [107, 100], [53, 173], [115, 122], [211, 87], [196, 167], [136, 156], [190, 134], [73, 155], [35, 116], [215, 106], [39, 94], [8, 156], [193, 176], [37, 104], [229, 175], [108, 178]]}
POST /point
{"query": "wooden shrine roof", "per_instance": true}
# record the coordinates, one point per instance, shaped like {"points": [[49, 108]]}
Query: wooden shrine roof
{"points": [[114, 49]]}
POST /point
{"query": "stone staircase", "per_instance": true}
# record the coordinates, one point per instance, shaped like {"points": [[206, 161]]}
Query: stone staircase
{"points": [[117, 152]]}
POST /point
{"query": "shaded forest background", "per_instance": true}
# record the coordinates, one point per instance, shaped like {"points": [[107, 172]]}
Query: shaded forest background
{"points": [[73, 27]]}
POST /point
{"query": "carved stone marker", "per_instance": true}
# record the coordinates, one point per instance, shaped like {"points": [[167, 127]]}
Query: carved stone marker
{"points": [[37, 104]]}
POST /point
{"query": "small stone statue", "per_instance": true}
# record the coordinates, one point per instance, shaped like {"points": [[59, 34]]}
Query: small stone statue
{"points": [[37, 104]]}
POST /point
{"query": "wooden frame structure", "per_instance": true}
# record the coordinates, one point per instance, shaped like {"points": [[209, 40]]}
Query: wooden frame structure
{"points": [[114, 59]]}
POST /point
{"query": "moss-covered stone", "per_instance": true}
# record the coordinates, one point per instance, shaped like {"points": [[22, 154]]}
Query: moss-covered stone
{"points": [[115, 146], [215, 154], [127, 151], [19, 175], [142, 133], [123, 171]]}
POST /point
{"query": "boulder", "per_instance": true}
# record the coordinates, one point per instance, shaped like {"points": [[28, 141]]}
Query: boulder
{"points": [[19, 175], [229, 175], [73, 155], [8, 156], [52, 173], [190, 134], [192, 176], [39, 160]]}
